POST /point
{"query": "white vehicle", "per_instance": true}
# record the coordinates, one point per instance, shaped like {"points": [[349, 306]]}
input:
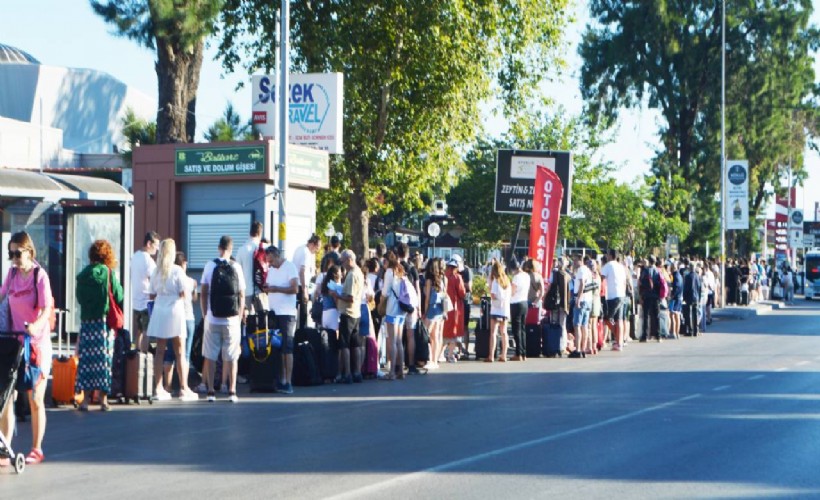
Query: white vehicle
{"points": [[811, 268]]}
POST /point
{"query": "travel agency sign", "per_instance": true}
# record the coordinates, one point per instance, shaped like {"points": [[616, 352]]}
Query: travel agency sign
{"points": [[315, 109], [737, 194]]}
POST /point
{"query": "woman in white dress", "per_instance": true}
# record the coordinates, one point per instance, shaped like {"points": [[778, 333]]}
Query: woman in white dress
{"points": [[168, 318]]}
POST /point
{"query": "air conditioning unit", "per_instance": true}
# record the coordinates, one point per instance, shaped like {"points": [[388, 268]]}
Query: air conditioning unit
{"points": [[439, 207]]}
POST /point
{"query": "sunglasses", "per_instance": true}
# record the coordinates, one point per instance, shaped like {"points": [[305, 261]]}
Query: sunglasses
{"points": [[15, 254]]}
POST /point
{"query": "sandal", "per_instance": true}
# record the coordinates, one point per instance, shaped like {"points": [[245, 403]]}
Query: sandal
{"points": [[5, 462], [35, 456]]}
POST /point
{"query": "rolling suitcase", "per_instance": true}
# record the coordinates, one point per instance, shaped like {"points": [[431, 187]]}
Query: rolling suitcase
{"points": [[554, 342], [601, 334], [534, 316], [663, 324], [533, 346], [64, 370], [305, 370], [370, 368], [482, 331], [264, 371], [139, 376], [324, 350], [122, 344]]}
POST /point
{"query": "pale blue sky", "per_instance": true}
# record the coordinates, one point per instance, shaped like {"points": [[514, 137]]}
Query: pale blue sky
{"points": [[68, 33]]}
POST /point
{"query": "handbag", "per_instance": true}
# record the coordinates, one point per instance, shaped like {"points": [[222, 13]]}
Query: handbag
{"points": [[381, 309], [448, 304], [114, 320], [30, 366]]}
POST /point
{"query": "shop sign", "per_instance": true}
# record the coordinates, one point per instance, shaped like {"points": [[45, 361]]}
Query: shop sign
{"points": [[238, 160]]}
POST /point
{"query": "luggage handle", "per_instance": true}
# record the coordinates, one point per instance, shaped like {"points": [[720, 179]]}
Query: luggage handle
{"points": [[60, 313]]}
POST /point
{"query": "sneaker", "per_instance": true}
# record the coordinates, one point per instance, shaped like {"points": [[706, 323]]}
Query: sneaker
{"points": [[357, 378], [161, 395], [280, 387], [211, 397], [616, 347], [348, 379], [287, 389], [201, 388], [233, 398], [189, 395], [413, 370]]}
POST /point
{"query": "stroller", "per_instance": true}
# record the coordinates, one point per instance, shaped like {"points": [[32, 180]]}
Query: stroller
{"points": [[11, 355]]}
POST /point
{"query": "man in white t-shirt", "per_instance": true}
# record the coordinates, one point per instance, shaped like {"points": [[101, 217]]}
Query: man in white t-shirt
{"points": [[255, 300], [281, 286], [583, 305], [142, 266], [223, 297], [616, 277], [304, 258]]}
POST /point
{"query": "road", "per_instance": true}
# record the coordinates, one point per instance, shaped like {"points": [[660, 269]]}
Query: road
{"points": [[732, 414]]}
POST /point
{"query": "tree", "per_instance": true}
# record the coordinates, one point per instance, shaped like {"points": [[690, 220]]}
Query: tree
{"points": [[415, 73], [666, 55], [229, 128], [136, 131], [176, 30]]}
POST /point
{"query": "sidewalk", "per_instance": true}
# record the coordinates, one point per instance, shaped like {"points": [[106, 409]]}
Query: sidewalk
{"points": [[745, 312]]}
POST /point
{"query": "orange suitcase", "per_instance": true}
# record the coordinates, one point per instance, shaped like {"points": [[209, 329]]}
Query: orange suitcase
{"points": [[64, 372]]}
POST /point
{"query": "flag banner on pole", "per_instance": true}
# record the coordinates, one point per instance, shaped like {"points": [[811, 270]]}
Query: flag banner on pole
{"points": [[546, 212]]}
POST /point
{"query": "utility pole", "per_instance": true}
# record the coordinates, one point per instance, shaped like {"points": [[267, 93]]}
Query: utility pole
{"points": [[284, 67], [723, 156]]}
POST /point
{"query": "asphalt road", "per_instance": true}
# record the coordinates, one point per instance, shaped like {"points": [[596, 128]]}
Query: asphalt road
{"points": [[732, 414]]}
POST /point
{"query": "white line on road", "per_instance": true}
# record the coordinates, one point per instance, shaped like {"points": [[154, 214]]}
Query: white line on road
{"points": [[370, 489], [721, 388], [80, 451], [756, 377]]}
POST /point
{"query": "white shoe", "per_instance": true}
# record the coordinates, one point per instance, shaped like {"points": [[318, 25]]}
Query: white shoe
{"points": [[211, 398], [233, 398], [189, 395], [161, 395]]}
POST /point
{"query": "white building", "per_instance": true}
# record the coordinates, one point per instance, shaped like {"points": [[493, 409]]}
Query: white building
{"points": [[52, 116]]}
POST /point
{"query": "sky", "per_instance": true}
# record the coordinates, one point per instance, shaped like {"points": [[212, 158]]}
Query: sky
{"points": [[68, 33]]}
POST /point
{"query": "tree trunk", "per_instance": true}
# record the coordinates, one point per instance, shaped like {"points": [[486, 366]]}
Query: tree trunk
{"points": [[359, 217], [172, 69], [194, 70]]}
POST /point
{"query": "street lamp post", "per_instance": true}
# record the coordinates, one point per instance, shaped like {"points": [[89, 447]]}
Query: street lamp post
{"points": [[723, 155]]}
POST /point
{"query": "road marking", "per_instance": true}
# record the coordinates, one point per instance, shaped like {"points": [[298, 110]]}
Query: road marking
{"points": [[721, 388], [80, 451], [756, 377], [394, 481]]}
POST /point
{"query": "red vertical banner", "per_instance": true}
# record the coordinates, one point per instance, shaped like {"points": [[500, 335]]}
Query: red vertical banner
{"points": [[546, 211]]}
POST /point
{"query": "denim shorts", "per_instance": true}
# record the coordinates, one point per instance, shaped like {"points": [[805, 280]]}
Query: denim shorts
{"points": [[394, 320], [435, 311], [580, 315]]}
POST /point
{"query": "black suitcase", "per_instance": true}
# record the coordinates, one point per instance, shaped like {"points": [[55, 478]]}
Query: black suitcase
{"points": [[482, 345], [139, 376], [744, 297], [324, 347], [554, 343], [663, 324], [122, 345], [534, 348], [305, 370]]}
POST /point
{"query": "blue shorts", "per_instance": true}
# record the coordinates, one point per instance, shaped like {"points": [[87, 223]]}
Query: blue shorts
{"points": [[580, 315], [435, 311], [395, 320], [499, 317]]}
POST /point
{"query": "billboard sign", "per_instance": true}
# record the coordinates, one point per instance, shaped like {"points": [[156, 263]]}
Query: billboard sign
{"points": [[737, 194], [315, 109], [515, 178]]}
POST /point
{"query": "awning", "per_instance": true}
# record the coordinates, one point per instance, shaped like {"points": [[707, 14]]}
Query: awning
{"points": [[30, 184]]}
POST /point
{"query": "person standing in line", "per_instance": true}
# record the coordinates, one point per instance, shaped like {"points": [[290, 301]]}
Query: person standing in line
{"points": [[394, 317], [518, 308], [500, 295], [649, 290], [412, 274], [583, 305], [557, 299], [304, 258], [28, 289], [142, 267], [616, 276], [349, 304], [454, 329], [223, 302], [282, 286], [95, 342], [255, 300], [333, 254], [691, 300], [467, 278], [711, 285], [433, 309], [188, 301], [168, 319], [675, 301]]}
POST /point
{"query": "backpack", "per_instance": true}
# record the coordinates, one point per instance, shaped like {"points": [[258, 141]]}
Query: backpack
{"points": [[646, 283], [408, 298], [260, 267], [663, 285], [225, 291]]}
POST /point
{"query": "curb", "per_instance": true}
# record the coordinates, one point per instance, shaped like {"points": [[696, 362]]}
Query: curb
{"points": [[744, 312]]}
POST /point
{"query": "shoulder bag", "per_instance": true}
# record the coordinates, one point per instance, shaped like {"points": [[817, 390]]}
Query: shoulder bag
{"points": [[114, 320]]}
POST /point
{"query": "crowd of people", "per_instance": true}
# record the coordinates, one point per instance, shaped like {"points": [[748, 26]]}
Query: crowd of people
{"points": [[382, 301]]}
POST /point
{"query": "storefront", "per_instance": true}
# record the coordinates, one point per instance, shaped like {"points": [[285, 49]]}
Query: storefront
{"points": [[195, 193], [65, 214]]}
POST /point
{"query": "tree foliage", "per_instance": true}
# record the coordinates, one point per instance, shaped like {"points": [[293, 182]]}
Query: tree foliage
{"points": [[415, 74], [176, 31], [229, 127], [136, 132], [666, 55]]}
